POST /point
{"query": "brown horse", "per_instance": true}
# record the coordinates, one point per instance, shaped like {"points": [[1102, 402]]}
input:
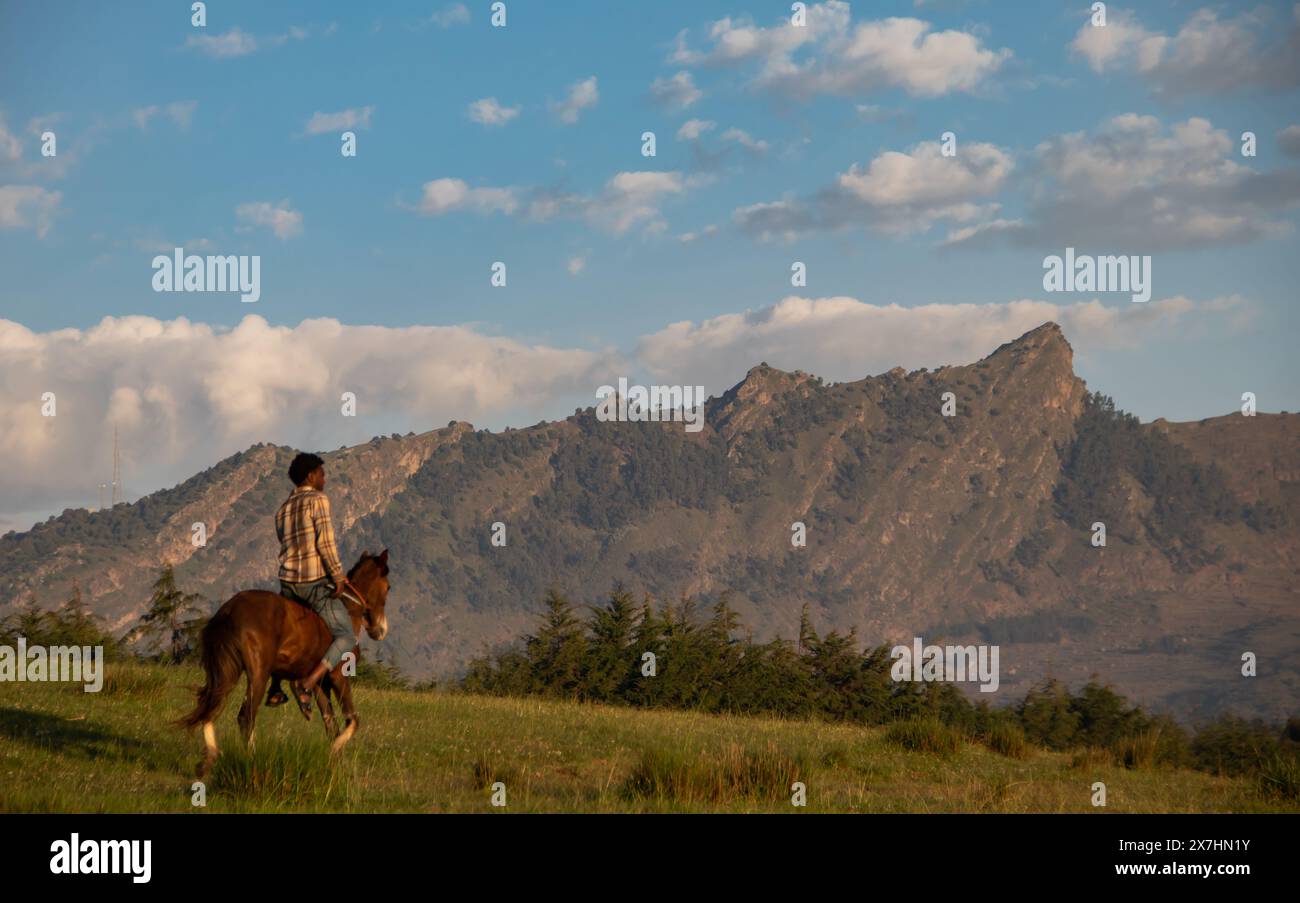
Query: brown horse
{"points": [[265, 635]]}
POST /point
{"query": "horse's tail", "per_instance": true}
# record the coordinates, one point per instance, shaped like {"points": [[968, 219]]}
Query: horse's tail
{"points": [[222, 665]]}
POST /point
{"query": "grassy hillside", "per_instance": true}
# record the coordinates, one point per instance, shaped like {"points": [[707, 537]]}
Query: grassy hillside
{"points": [[68, 751]]}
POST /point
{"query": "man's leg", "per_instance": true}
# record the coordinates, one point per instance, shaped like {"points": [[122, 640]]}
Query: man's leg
{"points": [[275, 695], [336, 617]]}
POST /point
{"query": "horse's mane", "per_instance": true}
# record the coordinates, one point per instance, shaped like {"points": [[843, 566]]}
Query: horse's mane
{"points": [[368, 559]]}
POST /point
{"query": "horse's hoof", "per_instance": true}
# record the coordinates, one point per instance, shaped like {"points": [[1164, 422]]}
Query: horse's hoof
{"points": [[342, 739]]}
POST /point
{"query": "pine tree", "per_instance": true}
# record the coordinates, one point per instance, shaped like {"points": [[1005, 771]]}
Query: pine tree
{"points": [[807, 636], [556, 650], [609, 661], [31, 622], [76, 622], [1047, 716], [721, 655], [647, 636], [172, 623], [683, 663], [771, 678], [834, 664]]}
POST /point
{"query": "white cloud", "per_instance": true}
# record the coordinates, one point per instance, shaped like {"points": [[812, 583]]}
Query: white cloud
{"points": [[923, 176], [28, 207], [688, 237], [1102, 45], [11, 149], [630, 198], [737, 41], [233, 43], [692, 129], [185, 394], [144, 114], [705, 158], [832, 55], [180, 112], [283, 221], [441, 196], [1138, 184], [679, 91], [897, 193], [1206, 55], [842, 338], [1289, 140], [984, 231], [582, 95], [75, 143], [237, 43], [455, 14], [627, 199], [352, 118], [576, 265], [745, 140], [487, 111]]}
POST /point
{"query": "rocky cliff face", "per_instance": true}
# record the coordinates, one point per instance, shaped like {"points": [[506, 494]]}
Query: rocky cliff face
{"points": [[954, 528]]}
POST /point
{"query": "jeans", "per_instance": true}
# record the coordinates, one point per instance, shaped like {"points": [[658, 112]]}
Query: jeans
{"points": [[317, 596]]}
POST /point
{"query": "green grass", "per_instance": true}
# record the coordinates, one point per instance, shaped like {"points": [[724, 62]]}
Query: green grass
{"points": [[62, 750], [925, 735], [676, 778], [1280, 776], [1009, 740], [286, 775]]}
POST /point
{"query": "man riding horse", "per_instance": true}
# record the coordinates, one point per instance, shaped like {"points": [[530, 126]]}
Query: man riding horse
{"points": [[310, 571], [299, 634]]}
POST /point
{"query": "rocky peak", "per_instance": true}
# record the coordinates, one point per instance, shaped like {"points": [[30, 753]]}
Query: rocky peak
{"points": [[1044, 342], [749, 401]]}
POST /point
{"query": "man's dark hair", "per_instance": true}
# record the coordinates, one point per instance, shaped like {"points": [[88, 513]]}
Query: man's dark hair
{"points": [[302, 467]]}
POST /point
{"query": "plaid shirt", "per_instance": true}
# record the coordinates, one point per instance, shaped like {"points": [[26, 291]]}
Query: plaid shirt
{"points": [[307, 549]]}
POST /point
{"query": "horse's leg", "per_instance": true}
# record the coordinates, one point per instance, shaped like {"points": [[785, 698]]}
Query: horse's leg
{"points": [[210, 749], [295, 686], [222, 666], [257, 681], [351, 722], [326, 708]]}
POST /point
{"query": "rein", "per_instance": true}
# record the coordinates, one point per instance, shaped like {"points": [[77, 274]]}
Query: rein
{"points": [[365, 606]]}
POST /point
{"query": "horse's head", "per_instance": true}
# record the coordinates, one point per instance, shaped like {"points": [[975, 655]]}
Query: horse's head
{"points": [[370, 576]]}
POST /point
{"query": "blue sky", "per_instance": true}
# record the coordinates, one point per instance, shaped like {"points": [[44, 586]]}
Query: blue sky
{"points": [[169, 134]]}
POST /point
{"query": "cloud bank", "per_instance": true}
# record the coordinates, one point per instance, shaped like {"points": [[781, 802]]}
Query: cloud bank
{"points": [[184, 394]]}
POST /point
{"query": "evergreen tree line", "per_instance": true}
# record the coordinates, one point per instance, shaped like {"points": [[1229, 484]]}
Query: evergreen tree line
{"points": [[167, 632], [701, 664]]}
